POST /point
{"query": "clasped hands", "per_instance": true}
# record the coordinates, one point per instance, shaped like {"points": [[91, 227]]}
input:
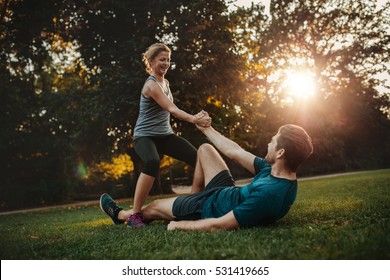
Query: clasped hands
{"points": [[202, 119]]}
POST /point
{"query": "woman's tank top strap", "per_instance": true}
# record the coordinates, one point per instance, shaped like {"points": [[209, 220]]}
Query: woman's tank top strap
{"points": [[166, 91], [151, 77]]}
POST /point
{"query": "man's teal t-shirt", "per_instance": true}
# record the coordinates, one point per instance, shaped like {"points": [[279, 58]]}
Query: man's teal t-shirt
{"points": [[265, 200]]}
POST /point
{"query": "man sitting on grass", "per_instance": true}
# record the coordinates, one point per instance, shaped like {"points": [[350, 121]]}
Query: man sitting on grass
{"points": [[215, 203]]}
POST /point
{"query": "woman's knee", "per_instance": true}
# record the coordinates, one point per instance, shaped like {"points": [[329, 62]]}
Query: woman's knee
{"points": [[151, 167]]}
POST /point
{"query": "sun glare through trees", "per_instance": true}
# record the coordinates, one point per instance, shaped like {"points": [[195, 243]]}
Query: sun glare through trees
{"points": [[300, 85]]}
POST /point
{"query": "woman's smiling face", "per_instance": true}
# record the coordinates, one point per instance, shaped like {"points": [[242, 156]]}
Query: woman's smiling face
{"points": [[160, 64]]}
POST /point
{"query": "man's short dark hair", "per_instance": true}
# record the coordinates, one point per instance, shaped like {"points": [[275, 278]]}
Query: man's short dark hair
{"points": [[297, 144]]}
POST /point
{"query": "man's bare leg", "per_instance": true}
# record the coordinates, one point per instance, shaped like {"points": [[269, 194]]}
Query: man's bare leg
{"points": [[160, 209], [198, 181], [209, 163]]}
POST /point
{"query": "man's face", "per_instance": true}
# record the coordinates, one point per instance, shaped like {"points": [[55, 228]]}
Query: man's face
{"points": [[271, 154]]}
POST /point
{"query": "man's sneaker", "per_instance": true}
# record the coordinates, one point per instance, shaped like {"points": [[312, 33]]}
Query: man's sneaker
{"points": [[109, 206], [135, 220]]}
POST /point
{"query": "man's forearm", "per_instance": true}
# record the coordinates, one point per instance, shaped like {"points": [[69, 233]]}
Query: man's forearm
{"points": [[211, 224], [223, 144], [199, 225]]}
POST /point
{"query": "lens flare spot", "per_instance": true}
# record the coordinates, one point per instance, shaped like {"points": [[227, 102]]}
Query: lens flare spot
{"points": [[82, 171]]}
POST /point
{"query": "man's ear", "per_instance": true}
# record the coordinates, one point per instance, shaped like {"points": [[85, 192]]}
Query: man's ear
{"points": [[280, 153]]}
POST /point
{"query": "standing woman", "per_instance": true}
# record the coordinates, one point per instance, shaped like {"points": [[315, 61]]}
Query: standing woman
{"points": [[153, 134]]}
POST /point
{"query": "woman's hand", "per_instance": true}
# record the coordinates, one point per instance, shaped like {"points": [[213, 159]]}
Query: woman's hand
{"points": [[202, 119]]}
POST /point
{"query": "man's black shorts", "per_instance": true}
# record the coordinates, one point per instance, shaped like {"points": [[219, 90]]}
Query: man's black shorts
{"points": [[190, 207]]}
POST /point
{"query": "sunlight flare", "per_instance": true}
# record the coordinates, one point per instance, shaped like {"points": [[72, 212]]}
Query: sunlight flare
{"points": [[300, 85]]}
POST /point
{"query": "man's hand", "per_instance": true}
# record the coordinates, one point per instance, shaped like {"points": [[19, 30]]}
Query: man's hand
{"points": [[226, 222], [172, 225], [202, 119]]}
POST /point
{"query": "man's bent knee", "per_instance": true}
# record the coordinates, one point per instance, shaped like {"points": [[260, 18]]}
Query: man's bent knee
{"points": [[206, 148]]}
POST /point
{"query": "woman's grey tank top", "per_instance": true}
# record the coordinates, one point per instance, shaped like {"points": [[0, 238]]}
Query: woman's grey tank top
{"points": [[152, 119]]}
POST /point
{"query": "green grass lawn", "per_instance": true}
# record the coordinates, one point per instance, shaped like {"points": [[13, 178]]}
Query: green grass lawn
{"points": [[343, 217]]}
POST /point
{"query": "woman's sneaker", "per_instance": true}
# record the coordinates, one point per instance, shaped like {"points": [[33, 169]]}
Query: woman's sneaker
{"points": [[135, 220], [109, 206]]}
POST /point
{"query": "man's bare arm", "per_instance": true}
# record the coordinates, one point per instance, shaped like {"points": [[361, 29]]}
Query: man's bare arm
{"points": [[230, 148], [226, 222]]}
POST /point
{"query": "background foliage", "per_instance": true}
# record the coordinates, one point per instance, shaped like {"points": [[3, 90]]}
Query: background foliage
{"points": [[71, 75]]}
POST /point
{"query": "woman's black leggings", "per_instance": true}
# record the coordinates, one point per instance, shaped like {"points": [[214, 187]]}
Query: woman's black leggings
{"points": [[149, 149]]}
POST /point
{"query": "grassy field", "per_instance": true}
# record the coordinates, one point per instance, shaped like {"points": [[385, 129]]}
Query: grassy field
{"points": [[343, 217]]}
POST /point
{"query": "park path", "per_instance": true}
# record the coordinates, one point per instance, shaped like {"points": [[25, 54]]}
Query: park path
{"points": [[178, 190]]}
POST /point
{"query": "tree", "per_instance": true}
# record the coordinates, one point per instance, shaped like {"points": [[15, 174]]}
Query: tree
{"points": [[344, 44], [36, 158]]}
